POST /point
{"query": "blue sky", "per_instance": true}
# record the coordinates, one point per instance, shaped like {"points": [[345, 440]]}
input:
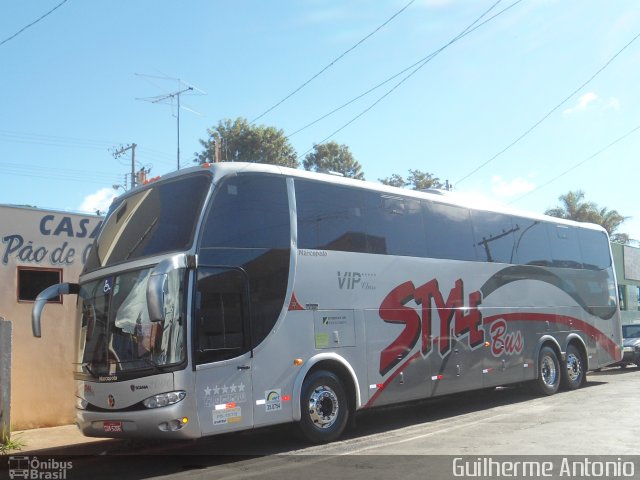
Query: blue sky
{"points": [[69, 92]]}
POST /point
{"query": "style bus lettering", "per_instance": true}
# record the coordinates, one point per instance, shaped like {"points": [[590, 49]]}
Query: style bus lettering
{"points": [[453, 320]]}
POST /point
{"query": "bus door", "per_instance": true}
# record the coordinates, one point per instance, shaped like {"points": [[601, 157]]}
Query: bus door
{"points": [[222, 350]]}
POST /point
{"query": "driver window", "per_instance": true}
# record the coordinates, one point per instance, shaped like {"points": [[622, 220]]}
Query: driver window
{"points": [[221, 315]]}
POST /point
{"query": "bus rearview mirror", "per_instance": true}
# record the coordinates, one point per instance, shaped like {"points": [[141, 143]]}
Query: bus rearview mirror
{"points": [[43, 297], [157, 285]]}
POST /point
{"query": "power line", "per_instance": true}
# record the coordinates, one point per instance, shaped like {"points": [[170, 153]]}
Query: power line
{"points": [[424, 60], [32, 23], [52, 140], [573, 167], [52, 175], [422, 63], [77, 173], [535, 125], [333, 62], [74, 142]]}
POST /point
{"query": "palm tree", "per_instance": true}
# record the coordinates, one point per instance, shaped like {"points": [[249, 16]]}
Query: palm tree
{"points": [[574, 207]]}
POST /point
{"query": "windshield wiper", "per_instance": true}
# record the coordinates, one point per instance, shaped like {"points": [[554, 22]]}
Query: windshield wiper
{"points": [[85, 366], [149, 362], [144, 235]]}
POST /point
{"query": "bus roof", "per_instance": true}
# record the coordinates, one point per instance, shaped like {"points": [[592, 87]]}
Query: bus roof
{"points": [[473, 202]]}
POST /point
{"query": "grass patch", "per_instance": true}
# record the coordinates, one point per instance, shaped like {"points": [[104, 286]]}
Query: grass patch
{"points": [[7, 444]]}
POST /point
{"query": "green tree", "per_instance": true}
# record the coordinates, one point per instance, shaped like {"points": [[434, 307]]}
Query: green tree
{"points": [[335, 158], [394, 180], [573, 206], [239, 141], [417, 180]]}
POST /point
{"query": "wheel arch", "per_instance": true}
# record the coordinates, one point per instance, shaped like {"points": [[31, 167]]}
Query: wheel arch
{"points": [[547, 341], [331, 362]]}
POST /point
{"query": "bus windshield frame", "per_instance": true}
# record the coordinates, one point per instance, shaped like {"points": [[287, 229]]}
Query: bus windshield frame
{"points": [[156, 220]]}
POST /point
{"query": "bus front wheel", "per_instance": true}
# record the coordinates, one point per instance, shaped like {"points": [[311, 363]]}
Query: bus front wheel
{"points": [[548, 380], [324, 407]]}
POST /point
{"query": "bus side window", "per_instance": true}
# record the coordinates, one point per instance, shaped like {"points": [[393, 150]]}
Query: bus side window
{"points": [[493, 233], [565, 250], [220, 314], [594, 246], [249, 211], [330, 217], [531, 242], [449, 233], [394, 225]]}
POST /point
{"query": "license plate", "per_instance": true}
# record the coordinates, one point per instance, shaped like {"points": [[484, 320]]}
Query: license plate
{"points": [[628, 349], [112, 426]]}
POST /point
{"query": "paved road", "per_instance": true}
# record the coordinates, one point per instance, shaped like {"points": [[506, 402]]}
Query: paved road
{"points": [[600, 419]]}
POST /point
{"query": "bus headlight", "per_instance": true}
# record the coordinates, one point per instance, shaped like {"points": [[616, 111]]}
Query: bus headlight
{"points": [[164, 399]]}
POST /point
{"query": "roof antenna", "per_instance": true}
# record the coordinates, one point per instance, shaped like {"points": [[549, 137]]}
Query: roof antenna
{"points": [[168, 97]]}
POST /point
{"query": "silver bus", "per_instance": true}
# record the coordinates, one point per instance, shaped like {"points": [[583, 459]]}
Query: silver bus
{"points": [[233, 296]]}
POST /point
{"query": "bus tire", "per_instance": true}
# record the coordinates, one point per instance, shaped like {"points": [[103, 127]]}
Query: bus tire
{"points": [[573, 371], [548, 380], [324, 407]]}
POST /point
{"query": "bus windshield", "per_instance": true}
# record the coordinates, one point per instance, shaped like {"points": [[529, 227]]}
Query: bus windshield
{"points": [[116, 334], [159, 219]]}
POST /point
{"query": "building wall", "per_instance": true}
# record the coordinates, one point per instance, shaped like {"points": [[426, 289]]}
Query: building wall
{"points": [[42, 368]]}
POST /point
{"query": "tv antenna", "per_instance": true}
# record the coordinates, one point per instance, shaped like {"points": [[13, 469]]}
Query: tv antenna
{"points": [[167, 98]]}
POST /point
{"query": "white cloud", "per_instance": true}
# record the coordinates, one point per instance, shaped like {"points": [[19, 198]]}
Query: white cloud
{"points": [[583, 103], [100, 200], [505, 189], [477, 199], [613, 103], [590, 101]]}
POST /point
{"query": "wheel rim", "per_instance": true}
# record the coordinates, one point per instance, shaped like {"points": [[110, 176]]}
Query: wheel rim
{"points": [[548, 371], [323, 406], [574, 367]]}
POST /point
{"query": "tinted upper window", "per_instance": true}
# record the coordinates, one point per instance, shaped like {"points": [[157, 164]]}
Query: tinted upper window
{"points": [[449, 233], [249, 211], [494, 237], [531, 242], [594, 246], [161, 218], [565, 250], [330, 217], [394, 225]]}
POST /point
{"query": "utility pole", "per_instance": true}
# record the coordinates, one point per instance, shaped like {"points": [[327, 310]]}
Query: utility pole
{"points": [[120, 151]]}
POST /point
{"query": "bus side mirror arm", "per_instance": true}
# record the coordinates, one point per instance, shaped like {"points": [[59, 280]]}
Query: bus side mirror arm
{"points": [[157, 284], [43, 297]]}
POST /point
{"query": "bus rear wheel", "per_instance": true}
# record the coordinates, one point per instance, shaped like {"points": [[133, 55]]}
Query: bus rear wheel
{"points": [[573, 373], [324, 407], [548, 380]]}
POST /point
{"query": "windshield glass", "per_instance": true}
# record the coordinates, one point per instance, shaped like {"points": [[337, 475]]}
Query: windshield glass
{"points": [[158, 219], [116, 335]]}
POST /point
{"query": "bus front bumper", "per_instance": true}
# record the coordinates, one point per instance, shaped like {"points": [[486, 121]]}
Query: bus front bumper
{"points": [[173, 422]]}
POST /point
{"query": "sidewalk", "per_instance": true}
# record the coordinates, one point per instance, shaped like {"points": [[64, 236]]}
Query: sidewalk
{"points": [[63, 440]]}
